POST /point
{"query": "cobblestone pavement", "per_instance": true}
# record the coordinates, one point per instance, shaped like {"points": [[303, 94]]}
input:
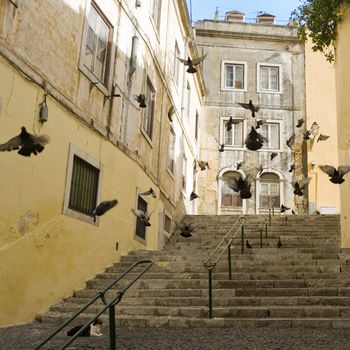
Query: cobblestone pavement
{"points": [[27, 336]]}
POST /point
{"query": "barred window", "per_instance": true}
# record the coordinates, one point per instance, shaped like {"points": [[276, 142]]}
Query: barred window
{"points": [[140, 226], [148, 113], [84, 187], [167, 223]]}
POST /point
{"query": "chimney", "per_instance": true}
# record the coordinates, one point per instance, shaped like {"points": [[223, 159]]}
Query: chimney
{"points": [[265, 18], [216, 15], [234, 16]]}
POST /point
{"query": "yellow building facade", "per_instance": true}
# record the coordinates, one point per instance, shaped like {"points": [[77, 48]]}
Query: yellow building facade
{"points": [[78, 56]]}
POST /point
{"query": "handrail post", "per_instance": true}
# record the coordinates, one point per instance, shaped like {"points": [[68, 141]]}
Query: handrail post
{"points": [[265, 229], [229, 262], [261, 237], [210, 295], [242, 239], [270, 216], [112, 340]]}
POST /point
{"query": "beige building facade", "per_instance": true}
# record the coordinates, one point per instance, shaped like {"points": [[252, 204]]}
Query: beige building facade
{"points": [[85, 61]]}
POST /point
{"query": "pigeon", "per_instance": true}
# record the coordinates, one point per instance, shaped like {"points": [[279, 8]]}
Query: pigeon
{"points": [[273, 155], [239, 165], [299, 186], [239, 185], [290, 141], [292, 168], [104, 207], [306, 134], [141, 99], [317, 212], [293, 212], [93, 330], [300, 123], [203, 164], [150, 191], [260, 169], [259, 123], [250, 106], [336, 176], [222, 147], [248, 245], [191, 63], [143, 216], [279, 243], [186, 229], [284, 208], [231, 122], [26, 143], [322, 137], [193, 196], [171, 111], [254, 140]]}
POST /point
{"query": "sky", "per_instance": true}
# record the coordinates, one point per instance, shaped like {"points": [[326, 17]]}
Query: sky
{"points": [[205, 9]]}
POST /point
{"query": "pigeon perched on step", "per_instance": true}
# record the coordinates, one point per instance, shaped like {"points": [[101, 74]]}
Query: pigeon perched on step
{"points": [[93, 330], [191, 63], [250, 106], [248, 245], [103, 207], [254, 140], [26, 143], [336, 175], [279, 243]]}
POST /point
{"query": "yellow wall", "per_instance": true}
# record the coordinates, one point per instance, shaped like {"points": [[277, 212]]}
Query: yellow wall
{"points": [[321, 108], [343, 108], [44, 255]]}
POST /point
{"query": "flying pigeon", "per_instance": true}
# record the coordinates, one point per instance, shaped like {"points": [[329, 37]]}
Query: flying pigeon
{"points": [[300, 123], [239, 165], [284, 208], [250, 106], [254, 140], [292, 168], [290, 141], [293, 212], [150, 191], [299, 186], [336, 176], [239, 185], [231, 122], [259, 123], [273, 155], [322, 137], [203, 164], [104, 207], [141, 99], [193, 196], [248, 245], [306, 134], [143, 216], [26, 143], [191, 63], [222, 147], [279, 243], [186, 229]]}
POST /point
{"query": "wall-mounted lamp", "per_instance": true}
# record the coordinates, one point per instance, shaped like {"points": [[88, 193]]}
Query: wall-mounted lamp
{"points": [[315, 128], [44, 111]]}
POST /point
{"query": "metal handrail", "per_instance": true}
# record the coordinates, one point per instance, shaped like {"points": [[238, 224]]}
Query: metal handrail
{"points": [[210, 264], [111, 306], [266, 219]]}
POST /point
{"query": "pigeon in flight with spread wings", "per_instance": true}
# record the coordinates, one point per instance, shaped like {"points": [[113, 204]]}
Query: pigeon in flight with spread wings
{"points": [[144, 216], [191, 63], [336, 175], [250, 106], [240, 185], [299, 186], [254, 140], [104, 207], [150, 191], [141, 99], [26, 143], [186, 229]]}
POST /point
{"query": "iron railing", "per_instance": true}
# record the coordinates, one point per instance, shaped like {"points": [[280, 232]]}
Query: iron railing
{"points": [[266, 220], [110, 306], [214, 257]]}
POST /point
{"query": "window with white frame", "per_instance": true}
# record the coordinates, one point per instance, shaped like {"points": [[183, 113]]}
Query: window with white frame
{"points": [[140, 229], [230, 198], [148, 113], [269, 190], [187, 101], [184, 170], [171, 151], [272, 132], [167, 223], [269, 78], [235, 136], [155, 12], [97, 47], [176, 73], [233, 75]]}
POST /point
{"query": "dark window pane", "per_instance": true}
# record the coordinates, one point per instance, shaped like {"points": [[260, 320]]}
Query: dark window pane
{"points": [[140, 227]]}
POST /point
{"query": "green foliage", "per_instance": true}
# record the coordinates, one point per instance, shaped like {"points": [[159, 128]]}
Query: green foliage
{"points": [[318, 20]]}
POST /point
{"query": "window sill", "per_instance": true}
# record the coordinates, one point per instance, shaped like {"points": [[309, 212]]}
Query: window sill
{"points": [[139, 239], [231, 148], [80, 216], [146, 136], [232, 89], [269, 92], [277, 150], [105, 90]]}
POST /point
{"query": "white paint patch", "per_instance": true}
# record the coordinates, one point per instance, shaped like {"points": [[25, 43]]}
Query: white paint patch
{"points": [[26, 221]]}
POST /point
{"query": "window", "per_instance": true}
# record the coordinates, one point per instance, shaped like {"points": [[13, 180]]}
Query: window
{"points": [[147, 124], [230, 198], [269, 78], [167, 224], [155, 12], [233, 75], [196, 126], [272, 132], [97, 50], [171, 151], [176, 73], [234, 137], [269, 190], [184, 169], [187, 102], [140, 227]]}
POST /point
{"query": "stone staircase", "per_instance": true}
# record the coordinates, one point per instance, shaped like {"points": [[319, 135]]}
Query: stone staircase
{"points": [[305, 283]]}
